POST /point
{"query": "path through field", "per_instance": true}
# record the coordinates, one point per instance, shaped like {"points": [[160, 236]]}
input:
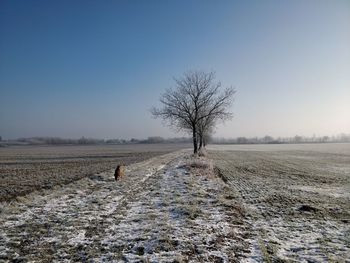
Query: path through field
{"points": [[157, 212]]}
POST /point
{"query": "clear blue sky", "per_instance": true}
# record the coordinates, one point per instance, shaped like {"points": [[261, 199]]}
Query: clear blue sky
{"points": [[94, 68]]}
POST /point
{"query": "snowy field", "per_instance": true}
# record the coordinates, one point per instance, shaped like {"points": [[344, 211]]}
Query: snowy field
{"points": [[263, 203], [165, 209], [24, 169], [296, 197]]}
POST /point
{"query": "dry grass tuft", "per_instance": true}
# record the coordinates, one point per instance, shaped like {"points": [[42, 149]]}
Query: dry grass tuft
{"points": [[202, 152], [199, 164]]}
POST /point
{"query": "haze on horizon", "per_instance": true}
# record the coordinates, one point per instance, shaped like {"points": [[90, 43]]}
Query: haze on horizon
{"points": [[95, 68]]}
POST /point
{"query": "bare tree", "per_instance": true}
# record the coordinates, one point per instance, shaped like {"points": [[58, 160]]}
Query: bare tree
{"points": [[195, 105]]}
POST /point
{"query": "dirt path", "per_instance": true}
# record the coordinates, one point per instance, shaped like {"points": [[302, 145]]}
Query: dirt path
{"points": [[159, 213]]}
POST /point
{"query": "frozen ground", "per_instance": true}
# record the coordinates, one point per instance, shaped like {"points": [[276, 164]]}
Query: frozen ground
{"points": [[24, 169], [296, 199], [166, 209], [273, 203]]}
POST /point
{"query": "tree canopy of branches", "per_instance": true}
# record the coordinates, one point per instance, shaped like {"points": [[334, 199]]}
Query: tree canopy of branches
{"points": [[195, 105]]}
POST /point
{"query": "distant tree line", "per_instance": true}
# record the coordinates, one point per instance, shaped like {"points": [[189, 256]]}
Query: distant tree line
{"points": [[271, 140], [58, 140], [92, 141], [159, 140]]}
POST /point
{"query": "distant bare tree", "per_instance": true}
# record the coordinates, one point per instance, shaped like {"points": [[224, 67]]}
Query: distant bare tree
{"points": [[195, 105]]}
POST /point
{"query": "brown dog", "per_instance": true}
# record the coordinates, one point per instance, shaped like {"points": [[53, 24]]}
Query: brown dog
{"points": [[119, 172]]}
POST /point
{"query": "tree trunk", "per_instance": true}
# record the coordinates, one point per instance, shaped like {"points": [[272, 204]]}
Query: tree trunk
{"points": [[195, 145], [200, 141]]}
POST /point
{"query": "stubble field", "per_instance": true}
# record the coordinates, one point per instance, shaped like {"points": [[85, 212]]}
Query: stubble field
{"points": [[24, 169], [297, 198]]}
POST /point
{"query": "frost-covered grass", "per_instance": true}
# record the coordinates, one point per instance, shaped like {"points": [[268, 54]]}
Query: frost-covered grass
{"points": [[159, 212]]}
